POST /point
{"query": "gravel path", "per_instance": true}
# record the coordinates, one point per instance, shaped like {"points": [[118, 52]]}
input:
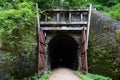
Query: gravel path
{"points": [[63, 74]]}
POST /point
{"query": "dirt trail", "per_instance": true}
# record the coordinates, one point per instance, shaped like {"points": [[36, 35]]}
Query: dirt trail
{"points": [[63, 74]]}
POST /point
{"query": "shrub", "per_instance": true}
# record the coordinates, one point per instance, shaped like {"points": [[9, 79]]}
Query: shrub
{"points": [[92, 76], [115, 11], [97, 77]]}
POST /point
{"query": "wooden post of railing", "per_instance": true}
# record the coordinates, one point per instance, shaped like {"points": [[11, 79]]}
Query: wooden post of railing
{"points": [[69, 17], [58, 16], [81, 15], [87, 36], [88, 26]]}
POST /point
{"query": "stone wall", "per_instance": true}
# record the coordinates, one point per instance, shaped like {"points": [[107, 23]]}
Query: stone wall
{"points": [[103, 45], [102, 21], [104, 27]]}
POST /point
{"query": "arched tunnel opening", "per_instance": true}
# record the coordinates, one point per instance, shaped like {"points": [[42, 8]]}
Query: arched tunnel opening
{"points": [[63, 52]]}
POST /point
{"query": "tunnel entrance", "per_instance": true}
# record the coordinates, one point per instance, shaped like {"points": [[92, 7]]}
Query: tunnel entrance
{"points": [[63, 52]]}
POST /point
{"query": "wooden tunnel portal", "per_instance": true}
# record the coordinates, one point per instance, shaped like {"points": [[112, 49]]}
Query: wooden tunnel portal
{"points": [[63, 39]]}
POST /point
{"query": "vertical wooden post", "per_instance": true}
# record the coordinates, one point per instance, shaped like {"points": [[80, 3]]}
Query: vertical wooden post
{"points": [[81, 15], [46, 55], [58, 16], [84, 53], [41, 44], [88, 26], [69, 17]]}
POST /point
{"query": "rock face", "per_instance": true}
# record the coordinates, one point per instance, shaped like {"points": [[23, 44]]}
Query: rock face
{"points": [[103, 28], [22, 68], [103, 41], [3, 73], [63, 74], [102, 22]]}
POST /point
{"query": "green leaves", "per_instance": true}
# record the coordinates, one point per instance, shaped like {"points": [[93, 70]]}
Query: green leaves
{"points": [[18, 26], [115, 11], [45, 76], [82, 77], [90, 76], [36, 76], [97, 77], [17, 32]]}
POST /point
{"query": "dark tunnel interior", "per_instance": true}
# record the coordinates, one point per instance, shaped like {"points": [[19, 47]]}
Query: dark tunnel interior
{"points": [[63, 52]]}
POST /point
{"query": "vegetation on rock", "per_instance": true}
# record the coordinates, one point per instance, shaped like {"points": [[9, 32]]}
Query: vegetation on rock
{"points": [[17, 32]]}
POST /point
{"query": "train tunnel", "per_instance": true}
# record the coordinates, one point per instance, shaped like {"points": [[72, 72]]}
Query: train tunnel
{"points": [[63, 52]]}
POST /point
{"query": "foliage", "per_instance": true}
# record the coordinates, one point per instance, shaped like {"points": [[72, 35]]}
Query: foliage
{"points": [[45, 76], [115, 11], [6, 62], [17, 26], [45, 4], [101, 8], [33, 77], [97, 77], [90, 76], [36, 76], [76, 3], [83, 77], [107, 3], [17, 32]]}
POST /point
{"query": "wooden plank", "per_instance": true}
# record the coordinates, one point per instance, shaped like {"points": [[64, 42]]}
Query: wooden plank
{"points": [[84, 52], [88, 26], [72, 10], [58, 15], [81, 17], [62, 28], [62, 23], [69, 17]]}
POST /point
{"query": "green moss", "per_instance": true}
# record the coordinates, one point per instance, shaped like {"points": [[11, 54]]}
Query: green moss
{"points": [[118, 35]]}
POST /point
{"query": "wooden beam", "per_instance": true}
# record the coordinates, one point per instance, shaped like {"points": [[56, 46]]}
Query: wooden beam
{"points": [[62, 28], [70, 10], [88, 26], [63, 23]]}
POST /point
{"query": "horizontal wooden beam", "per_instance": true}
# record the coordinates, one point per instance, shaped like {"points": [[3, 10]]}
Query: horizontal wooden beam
{"points": [[62, 28], [63, 23], [70, 10]]}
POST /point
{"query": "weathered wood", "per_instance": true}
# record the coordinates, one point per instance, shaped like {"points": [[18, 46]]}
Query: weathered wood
{"points": [[84, 52], [88, 26], [81, 17], [58, 15], [62, 28], [71, 10], [69, 17], [64, 20], [63, 23]]}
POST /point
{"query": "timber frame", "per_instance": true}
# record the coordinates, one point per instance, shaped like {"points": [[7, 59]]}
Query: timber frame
{"points": [[75, 22]]}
